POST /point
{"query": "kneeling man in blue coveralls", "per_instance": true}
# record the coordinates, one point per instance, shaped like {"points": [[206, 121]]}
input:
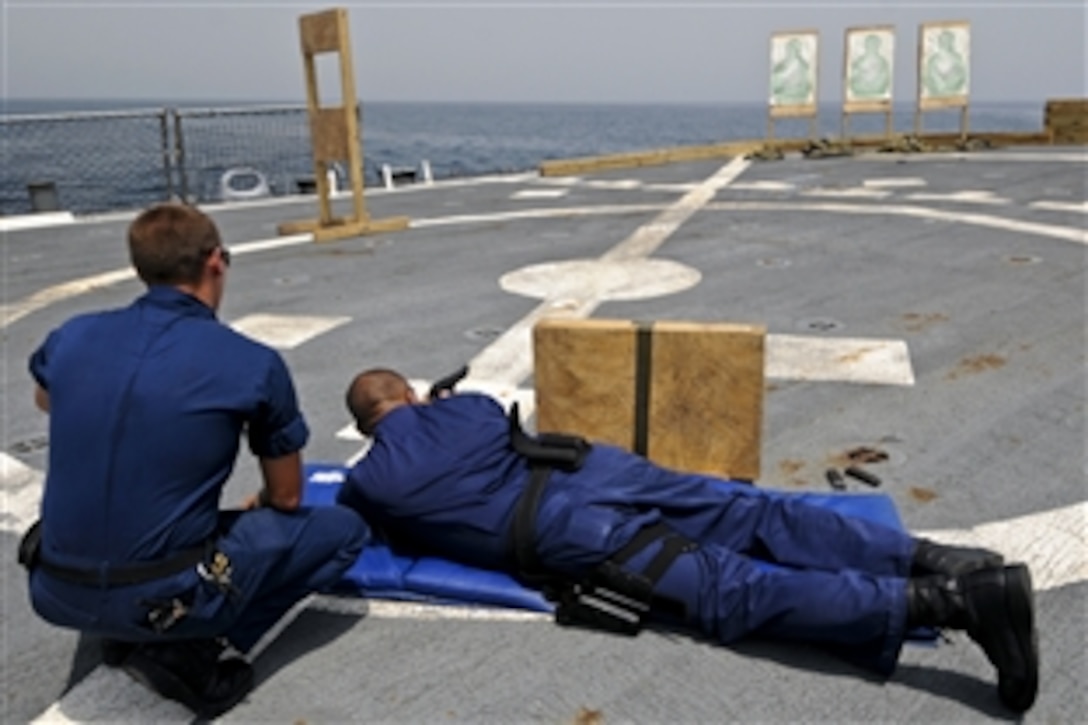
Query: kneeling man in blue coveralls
{"points": [[601, 530], [147, 405]]}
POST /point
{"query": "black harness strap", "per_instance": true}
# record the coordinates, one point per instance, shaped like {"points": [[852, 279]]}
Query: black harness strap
{"points": [[643, 371], [522, 538], [609, 597]]}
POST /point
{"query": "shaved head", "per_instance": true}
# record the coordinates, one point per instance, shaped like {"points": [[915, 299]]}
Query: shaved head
{"points": [[375, 392]]}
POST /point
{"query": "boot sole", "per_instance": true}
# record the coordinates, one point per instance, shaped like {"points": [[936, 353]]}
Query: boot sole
{"points": [[157, 678], [1019, 693]]}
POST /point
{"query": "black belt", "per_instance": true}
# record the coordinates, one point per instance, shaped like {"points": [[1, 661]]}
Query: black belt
{"points": [[122, 575]]}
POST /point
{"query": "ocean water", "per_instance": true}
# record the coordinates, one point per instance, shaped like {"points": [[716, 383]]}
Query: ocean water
{"points": [[109, 155]]}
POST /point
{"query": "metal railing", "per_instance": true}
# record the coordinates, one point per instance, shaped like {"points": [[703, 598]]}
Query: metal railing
{"points": [[117, 160]]}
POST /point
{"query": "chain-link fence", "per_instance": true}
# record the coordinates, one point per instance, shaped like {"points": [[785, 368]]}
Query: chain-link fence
{"points": [[99, 161], [85, 161], [239, 153]]}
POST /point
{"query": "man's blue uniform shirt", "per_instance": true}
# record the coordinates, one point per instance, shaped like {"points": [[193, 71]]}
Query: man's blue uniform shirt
{"points": [[147, 404]]}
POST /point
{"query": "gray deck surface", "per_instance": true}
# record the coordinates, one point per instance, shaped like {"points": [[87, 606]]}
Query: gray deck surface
{"points": [[986, 289]]}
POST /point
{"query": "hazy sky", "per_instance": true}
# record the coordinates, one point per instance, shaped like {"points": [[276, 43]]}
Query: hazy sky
{"points": [[512, 50]]}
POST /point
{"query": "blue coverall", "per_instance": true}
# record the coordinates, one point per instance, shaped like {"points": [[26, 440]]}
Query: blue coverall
{"points": [[443, 476], [147, 406]]}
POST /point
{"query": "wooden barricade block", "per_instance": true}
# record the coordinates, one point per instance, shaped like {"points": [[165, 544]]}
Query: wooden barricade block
{"points": [[1066, 120], [686, 395], [334, 133]]}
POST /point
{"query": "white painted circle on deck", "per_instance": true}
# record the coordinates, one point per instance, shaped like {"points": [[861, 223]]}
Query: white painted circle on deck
{"points": [[630, 279]]}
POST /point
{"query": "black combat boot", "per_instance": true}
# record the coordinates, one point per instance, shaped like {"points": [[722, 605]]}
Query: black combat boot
{"points": [[994, 606], [191, 672], [933, 558], [116, 651]]}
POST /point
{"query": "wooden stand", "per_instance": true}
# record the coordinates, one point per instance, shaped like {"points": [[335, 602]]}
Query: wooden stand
{"points": [[926, 104], [686, 395], [334, 133], [853, 106], [809, 112], [1066, 120]]}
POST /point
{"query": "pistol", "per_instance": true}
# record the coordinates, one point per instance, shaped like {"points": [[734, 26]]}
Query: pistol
{"points": [[447, 382]]}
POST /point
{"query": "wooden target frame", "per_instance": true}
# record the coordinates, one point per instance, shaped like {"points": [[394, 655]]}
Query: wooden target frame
{"points": [[334, 133]]}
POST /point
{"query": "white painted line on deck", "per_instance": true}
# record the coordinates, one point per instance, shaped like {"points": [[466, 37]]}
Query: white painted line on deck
{"points": [[286, 332], [529, 214], [766, 185], [109, 695], [1073, 206], [387, 609], [1054, 544], [1069, 234], [852, 360], [1026, 156], [36, 221], [616, 185], [966, 196], [894, 182], [12, 312], [851, 192], [670, 188], [509, 359], [539, 194], [21, 487]]}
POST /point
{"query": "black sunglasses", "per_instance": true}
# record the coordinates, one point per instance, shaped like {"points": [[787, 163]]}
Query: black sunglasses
{"points": [[224, 254]]}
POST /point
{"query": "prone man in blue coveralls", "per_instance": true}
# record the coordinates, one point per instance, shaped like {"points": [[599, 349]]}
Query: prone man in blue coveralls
{"points": [[147, 405], [614, 539]]}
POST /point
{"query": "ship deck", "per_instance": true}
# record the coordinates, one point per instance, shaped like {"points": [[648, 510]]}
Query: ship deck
{"points": [[964, 272]]}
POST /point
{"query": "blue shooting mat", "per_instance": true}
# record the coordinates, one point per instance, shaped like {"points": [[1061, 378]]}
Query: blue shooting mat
{"points": [[381, 574]]}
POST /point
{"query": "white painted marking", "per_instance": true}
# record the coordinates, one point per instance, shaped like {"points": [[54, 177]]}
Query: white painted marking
{"points": [[1073, 206], [894, 183], [559, 180], [22, 494], [110, 695], [1054, 544], [618, 184], [1069, 234], [509, 358], [574, 211], [10, 313], [385, 609], [852, 360], [649, 237], [766, 185], [966, 196], [539, 194], [851, 192], [671, 188], [1026, 156], [35, 221], [635, 279], [57, 293], [286, 332], [361, 453]]}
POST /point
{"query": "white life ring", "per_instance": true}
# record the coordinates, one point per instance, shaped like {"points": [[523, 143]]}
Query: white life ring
{"points": [[228, 191]]}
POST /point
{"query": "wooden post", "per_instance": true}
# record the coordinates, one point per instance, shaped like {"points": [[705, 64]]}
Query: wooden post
{"points": [[334, 133]]}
